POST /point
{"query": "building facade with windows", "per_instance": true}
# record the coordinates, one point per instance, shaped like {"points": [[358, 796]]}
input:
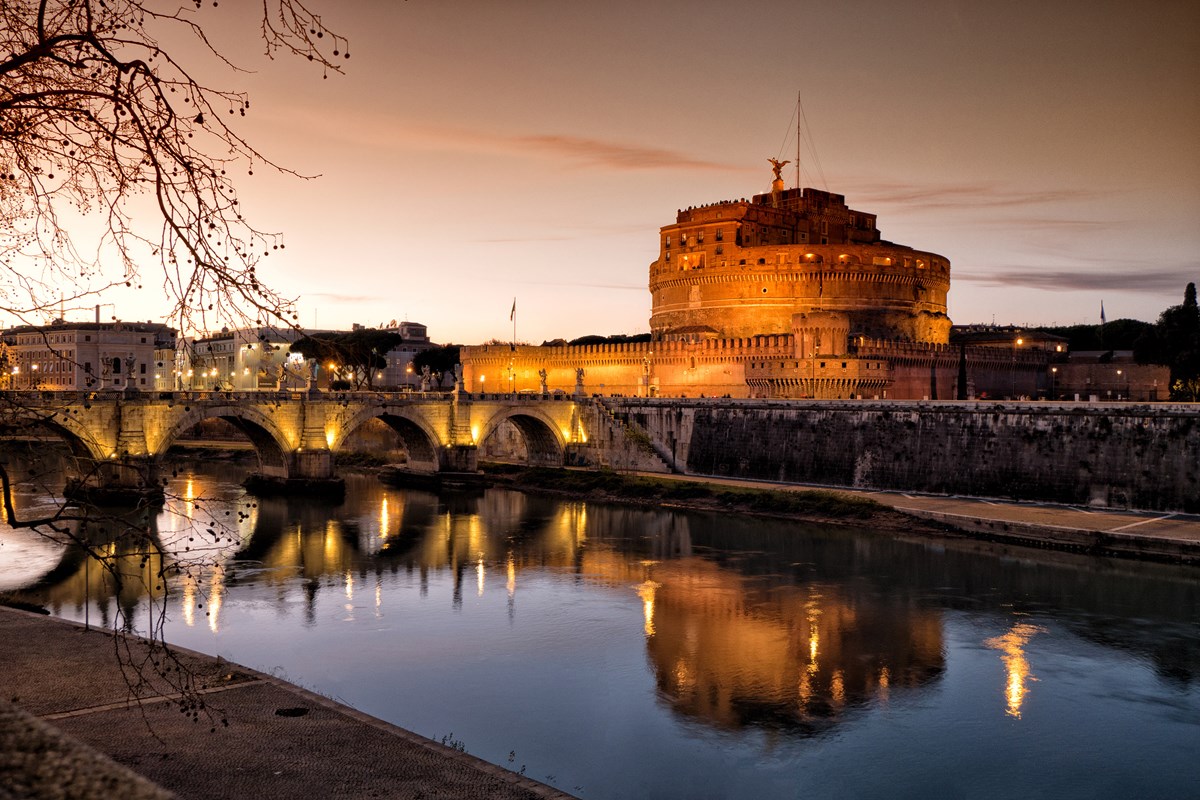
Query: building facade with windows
{"points": [[90, 356]]}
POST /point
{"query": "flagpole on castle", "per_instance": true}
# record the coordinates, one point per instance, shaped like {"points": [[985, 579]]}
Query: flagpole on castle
{"points": [[512, 349]]}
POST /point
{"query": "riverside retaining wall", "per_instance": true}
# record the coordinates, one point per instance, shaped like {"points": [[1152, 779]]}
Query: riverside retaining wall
{"points": [[1115, 455]]}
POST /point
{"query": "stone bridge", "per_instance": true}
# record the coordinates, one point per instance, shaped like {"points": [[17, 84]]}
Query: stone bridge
{"points": [[119, 439]]}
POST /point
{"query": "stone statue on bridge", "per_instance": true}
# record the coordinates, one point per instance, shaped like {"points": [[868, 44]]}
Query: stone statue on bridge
{"points": [[579, 381], [130, 381], [542, 381], [426, 377]]}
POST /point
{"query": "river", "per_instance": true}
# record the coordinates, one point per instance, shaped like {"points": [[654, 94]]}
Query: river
{"points": [[619, 652]]}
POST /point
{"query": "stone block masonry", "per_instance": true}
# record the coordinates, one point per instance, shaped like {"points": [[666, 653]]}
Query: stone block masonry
{"points": [[1112, 455]]}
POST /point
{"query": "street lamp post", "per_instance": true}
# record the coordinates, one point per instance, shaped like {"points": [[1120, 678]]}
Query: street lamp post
{"points": [[1016, 343]]}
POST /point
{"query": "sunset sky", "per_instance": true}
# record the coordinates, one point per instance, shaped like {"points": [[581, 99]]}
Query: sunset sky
{"points": [[479, 151]]}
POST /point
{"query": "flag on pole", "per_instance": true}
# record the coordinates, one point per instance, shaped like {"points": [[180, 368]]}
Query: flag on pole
{"points": [[1102, 319], [512, 315]]}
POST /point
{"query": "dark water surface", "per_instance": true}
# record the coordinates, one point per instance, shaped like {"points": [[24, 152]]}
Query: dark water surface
{"points": [[628, 653]]}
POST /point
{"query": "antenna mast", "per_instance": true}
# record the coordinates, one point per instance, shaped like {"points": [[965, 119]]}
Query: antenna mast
{"points": [[798, 186]]}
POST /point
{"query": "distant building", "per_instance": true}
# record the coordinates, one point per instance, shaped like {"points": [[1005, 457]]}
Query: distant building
{"points": [[260, 359], [243, 359], [67, 356], [1109, 375], [399, 373]]}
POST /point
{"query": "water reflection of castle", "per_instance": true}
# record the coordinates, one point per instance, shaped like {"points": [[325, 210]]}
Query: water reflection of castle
{"points": [[745, 622]]}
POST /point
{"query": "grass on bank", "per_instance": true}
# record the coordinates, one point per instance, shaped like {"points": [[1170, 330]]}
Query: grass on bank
{"points": [[609, 484]]}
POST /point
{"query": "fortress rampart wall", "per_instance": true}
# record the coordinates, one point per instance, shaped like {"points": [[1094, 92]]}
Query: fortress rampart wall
{"points": [[1135, 456]]}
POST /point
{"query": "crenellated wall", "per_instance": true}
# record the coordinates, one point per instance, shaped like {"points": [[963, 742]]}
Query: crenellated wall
{"points": [[1119, 455]]}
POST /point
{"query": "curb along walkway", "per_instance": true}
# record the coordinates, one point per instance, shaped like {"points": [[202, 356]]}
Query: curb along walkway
{"points": [[1156, 535], [280, 742]]}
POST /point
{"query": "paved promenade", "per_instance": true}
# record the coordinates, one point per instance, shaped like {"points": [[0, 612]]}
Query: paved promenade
{"points": [[68, 730], [1136, 534]]}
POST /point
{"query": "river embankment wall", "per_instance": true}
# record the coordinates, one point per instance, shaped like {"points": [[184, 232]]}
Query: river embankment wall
{"points": [[1139, 456]]}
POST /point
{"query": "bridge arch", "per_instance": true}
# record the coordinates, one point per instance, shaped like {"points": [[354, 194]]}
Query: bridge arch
{"points": [[271, 442], [74, 433], [545, 442], [413, 428]]}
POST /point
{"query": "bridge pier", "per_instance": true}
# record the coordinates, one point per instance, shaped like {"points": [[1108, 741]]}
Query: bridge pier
{"points": [[125, 481], [309, 472], [459, 458]]}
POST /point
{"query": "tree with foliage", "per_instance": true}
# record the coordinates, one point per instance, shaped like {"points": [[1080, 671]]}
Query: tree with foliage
{"points": [[356, 356], [1119, 334], [1177, 337], [440, 360]]}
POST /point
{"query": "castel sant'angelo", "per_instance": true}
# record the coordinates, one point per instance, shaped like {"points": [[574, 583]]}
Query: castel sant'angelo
{"points": [[790, 294]]}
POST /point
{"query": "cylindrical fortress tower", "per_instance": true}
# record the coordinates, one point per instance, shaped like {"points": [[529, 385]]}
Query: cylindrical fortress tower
{"points": [[743, 268]]}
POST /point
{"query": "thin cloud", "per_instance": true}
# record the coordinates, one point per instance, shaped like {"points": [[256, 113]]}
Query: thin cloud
{"points": [[965, 196], [1143, 281], [613, 155], [385, 131], [343, 298]]}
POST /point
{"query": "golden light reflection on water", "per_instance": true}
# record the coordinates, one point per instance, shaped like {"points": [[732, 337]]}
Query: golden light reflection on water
{"points": [[646, 591], [726, 646], [1012, 645], [216, 597], [189, 498], [189, 600]]}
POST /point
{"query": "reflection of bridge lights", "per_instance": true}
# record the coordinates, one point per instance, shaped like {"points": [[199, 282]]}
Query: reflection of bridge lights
{"points": [[349, 585], [1012, 645], [511, 568], [384, 522], [189, 600], [216, 595], [479, 572]]}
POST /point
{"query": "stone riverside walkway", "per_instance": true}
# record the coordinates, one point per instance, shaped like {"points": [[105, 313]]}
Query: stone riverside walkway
{"points": [[68, 730], [1157, 535]]}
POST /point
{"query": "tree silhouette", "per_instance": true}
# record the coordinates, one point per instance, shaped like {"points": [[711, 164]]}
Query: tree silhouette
{"points": [[114, 155], [357, 355], [117, 165]]}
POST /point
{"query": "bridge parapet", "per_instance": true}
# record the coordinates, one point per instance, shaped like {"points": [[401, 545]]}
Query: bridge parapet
{"points": [[296, 434]]}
